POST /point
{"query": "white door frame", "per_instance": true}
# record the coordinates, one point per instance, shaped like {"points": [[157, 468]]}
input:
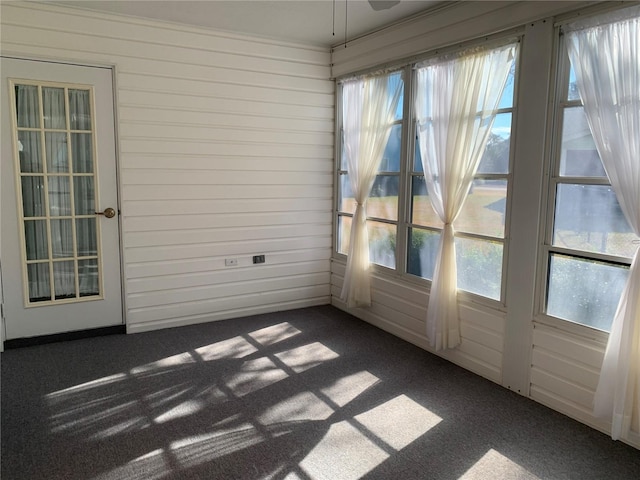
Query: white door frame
{"points": [[116, 131]]}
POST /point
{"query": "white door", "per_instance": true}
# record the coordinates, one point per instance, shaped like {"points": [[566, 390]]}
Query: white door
{"points": [[59, 251]]}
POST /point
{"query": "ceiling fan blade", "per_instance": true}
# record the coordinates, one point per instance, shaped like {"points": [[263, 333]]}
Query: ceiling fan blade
{"points": [[383, 4]]}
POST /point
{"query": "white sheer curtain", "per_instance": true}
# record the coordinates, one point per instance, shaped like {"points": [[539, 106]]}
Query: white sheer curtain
{"points": [[368, 109], [455, 108], [604, 53], [79, 110]]}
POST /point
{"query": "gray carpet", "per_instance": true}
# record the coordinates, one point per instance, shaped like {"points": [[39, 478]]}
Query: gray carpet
{"points": [[305, 394]]}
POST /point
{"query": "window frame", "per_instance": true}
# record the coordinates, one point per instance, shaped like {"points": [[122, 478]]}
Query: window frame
{"points": [[406, 175], [559, 93], [400, 174], [508, 177]]}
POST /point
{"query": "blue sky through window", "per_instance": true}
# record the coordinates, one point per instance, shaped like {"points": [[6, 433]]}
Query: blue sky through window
{"points": [[502, 124]]}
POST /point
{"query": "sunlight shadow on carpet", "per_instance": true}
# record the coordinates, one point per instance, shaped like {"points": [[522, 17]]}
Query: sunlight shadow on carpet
{"points": [[399, 421], [352, 454], [496, 466], [349, 428]]}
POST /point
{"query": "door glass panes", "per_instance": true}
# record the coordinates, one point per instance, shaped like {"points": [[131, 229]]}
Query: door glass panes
{"points": [[82, 152], [59, 196], [33, 196], [61, 238], [27, 106], [88, 277], [29, 152], [53, 108], [80, 117], [84, 195], [35, 233], [64, 280], [57, 187], [86, 237], [56, 152], [38, 282]]}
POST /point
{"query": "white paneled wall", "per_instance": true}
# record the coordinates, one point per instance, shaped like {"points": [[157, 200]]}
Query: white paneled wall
{"points": [[401, 308], [564, 372], [225, 151]]}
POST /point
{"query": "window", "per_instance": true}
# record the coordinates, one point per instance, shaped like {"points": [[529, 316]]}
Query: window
{"points": [[480, 227], [382, 205], [589, 243], [404, 230]]}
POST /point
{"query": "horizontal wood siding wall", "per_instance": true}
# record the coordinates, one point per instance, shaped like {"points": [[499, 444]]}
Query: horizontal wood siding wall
{"points": [[401, 309], [225, 151], [564, 372], [565, 368]]}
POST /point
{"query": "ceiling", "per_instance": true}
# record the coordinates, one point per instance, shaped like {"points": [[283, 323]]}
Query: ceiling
{"points": [[310, 22]]}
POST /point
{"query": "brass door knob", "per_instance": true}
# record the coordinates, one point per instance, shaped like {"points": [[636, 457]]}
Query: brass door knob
{"points": [[108, 212]]}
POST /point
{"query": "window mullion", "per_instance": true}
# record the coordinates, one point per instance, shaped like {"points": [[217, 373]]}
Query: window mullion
{"points": [[551, 210], [338, 128], [570, 103], [478, 236], [590, 255], [380, 220], [404, 192], [582, 180], [580, 280]]}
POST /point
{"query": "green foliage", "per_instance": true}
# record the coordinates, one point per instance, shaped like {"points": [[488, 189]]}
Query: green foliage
{"points": [[423, 249], [382, 245], [479, 267], [479, 263]]}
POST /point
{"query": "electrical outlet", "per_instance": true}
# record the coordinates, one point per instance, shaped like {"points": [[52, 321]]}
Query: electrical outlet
{"points": [[231, 262], [258, 259]]}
